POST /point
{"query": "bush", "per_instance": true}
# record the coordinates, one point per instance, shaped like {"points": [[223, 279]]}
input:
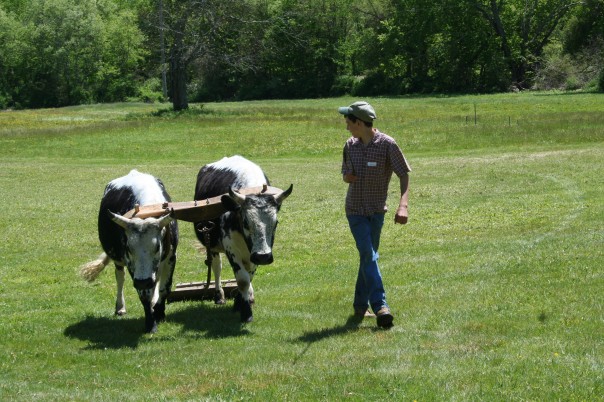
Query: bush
{"points": [[601, 81], [343, 85], [376, 83], [150, 91]]}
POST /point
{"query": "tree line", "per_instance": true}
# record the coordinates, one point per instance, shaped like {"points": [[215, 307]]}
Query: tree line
{"points": [[67, 52]]}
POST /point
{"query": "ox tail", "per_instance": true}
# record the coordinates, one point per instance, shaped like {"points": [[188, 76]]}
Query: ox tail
{"points": [[91, 270]]}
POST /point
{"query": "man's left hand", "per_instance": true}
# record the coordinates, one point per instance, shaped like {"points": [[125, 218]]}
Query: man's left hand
{"points": [[401, 216]]}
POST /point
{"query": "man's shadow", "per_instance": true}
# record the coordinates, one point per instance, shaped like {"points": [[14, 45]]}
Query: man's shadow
{"points": [[198, 320], [353, 324]]}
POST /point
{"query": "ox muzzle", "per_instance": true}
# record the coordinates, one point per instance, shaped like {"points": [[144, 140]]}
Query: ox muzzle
{"points": [[144, 284], [262, 259]]}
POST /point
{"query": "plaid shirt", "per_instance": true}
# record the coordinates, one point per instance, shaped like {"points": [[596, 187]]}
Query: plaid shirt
{"points": [[373, 165]]}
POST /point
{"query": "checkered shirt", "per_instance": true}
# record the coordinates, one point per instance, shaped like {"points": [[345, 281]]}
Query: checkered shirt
{"points": [[373, 165]]}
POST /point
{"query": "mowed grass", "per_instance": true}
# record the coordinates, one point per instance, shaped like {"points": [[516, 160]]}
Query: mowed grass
{"points": [[496, 283]]}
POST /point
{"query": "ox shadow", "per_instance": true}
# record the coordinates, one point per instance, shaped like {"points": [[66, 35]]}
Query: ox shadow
{"points": [[108, 332], [199, 320], [206, 320]]}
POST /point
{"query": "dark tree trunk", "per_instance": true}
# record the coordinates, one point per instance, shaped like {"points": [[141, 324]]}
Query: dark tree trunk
{"points": [[178, 75], [178, 72]]}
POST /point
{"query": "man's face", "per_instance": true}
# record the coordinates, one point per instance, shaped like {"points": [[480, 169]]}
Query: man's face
{"points": [[353, 127]]}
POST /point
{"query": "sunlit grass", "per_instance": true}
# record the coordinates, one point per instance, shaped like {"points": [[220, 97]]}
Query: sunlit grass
{"points": [[496, 282]]}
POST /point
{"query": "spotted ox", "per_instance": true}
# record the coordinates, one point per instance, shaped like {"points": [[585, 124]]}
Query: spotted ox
{"points": [[147, 247], [246, 232]]}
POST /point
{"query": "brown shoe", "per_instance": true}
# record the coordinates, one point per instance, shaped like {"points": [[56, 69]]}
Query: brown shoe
{"points": [[384, 318], [362, 313]]}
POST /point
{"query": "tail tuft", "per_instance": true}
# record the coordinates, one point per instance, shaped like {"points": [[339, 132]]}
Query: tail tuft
{"points": [[92, 269]]}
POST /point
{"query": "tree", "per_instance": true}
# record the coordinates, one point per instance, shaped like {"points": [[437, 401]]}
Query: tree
{"points": [[524, 28], [586, 27], [301, 49], [439, 46], [66, 52], [200, 34]]}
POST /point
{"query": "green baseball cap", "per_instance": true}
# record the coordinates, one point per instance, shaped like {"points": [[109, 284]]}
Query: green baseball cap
{"points": [[361, 110]]}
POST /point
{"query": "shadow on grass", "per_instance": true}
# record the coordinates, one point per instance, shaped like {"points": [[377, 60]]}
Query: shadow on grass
{"points": [[353, 324], [200, 319]]}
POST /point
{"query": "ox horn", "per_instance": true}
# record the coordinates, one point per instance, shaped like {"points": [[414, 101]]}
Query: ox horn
{"points": [[237, 197], [165, 221], [281, 197], [119, 219]]}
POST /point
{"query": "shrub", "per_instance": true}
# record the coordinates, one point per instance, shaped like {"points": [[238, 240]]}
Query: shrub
{"points": [[150, 91]]}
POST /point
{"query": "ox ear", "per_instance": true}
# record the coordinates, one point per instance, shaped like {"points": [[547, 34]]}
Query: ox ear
{"points": [[228, 203], [119, 219], [281, 197]]}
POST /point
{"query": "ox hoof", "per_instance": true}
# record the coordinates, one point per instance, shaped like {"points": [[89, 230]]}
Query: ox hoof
{"points": [[218, 299], [120, 312], [153, 329]]}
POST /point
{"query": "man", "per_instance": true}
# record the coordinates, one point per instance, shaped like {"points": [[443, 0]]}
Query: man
{"points": [[370, 157]]}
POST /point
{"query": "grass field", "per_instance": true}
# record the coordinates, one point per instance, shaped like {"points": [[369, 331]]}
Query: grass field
{"points": [[496, 283]]}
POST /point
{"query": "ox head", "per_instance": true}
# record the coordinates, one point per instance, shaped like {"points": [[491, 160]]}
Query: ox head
{"points": [[258, 216], [144, 248]]}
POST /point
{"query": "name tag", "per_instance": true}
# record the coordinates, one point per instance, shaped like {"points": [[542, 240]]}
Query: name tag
{"points": [[372, 164]]}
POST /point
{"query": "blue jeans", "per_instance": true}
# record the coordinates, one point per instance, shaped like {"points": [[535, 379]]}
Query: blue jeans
{"points": [[369, 289]]}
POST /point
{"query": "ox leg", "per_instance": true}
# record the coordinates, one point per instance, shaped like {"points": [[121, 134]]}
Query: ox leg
{"points": [[158, 303], [242, 300], [120, 302], [150, 323], [251, 289], [217, 269], [166, 271]]}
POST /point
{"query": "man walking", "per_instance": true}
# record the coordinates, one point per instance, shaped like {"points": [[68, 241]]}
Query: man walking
{"points": [[370, 157]]}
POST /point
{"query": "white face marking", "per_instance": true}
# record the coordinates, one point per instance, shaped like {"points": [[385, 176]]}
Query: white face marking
{"points": [[144, 248], [259, 225]]}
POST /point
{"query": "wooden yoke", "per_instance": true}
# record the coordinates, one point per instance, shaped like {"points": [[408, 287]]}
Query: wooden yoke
{"points": [[194, 211]]}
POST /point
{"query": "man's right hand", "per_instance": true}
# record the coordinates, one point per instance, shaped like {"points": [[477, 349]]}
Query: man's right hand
{"points": [[350, 178]]}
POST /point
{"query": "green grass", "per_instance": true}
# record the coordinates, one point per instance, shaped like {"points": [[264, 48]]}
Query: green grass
{"points": [[496, 283]]}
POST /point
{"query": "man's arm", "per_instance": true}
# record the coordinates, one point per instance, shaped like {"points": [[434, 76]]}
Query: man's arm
{"points": [[402, 215]]}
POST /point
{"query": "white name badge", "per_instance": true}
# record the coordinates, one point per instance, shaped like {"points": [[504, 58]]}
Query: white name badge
{"points": [[372, 164]]}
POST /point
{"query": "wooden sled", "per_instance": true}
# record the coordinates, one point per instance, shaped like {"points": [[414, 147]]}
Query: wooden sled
{"points": [[201, 290]]}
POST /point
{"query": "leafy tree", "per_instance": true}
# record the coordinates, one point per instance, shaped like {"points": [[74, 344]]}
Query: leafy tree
{"points": [[203, 34], [585, 27], [66, 52], [300, 49], [439, 46], [15, 59], [524, 28], [122, 55]]}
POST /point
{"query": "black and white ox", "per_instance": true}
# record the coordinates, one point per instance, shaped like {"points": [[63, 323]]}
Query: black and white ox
{"points": [[246, 232], [147, 247]]}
